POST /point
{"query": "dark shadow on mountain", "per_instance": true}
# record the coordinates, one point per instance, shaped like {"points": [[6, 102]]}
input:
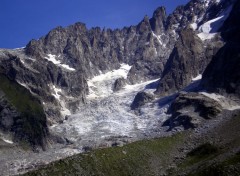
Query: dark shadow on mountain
{"points": [[166, 100], [152, 85], [193, 87]]}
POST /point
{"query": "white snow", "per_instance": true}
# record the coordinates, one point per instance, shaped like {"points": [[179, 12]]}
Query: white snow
{"points": [[210, 28], [108, 114], [194, 25], [64, 110], [59, 95], [155, 51], [223, 101], [206, 2], [53, 58], [213, 96], [198, 77], [158, 37], [206, 36], [7, 141], [20, 48], [101, 85], [56, 92], [26, 86], [176, 25]]}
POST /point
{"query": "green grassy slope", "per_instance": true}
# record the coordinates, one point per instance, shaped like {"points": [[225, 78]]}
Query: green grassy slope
{"points": [[217, 153], [144, 158]]}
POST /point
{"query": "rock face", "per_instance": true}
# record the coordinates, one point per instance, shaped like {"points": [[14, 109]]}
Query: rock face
{"points": [[195, 47], [183, 63], [55, 68], [8, 113], [188, 59], [46, 81], [190, 109], [118, 84], [140, 99], [222, 74], [21, 114]]}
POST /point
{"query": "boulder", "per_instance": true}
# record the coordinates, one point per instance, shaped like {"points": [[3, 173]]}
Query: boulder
{"points": [[191, 109], [118, 84], [140, 99]]}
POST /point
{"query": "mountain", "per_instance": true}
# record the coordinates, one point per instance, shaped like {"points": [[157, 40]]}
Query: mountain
{"points": [[78, 89], [222, 73]]}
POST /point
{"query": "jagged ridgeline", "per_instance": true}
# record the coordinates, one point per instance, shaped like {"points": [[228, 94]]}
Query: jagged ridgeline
{"points": [[83, 89]]}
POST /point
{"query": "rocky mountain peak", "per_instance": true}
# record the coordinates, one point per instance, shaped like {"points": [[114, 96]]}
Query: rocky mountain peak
{"points": [[144, 25], [80, 82], [158, 20]]}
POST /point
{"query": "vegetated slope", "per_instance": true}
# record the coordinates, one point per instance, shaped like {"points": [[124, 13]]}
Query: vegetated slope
{"points": [[214, 151], [22, 114]]}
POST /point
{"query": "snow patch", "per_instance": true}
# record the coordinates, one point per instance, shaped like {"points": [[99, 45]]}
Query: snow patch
{"points": [[223, 101], [158, 37], [206, 2], [26, 86], [194, 25], [101, 85], [7, 141], [198, 77], [20, 48], [206, 36], [213, 96], [58, 94], [52, 58], [111, 116], [209, 29]]}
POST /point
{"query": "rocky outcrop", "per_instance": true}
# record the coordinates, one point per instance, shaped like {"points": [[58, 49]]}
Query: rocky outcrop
{"points": [[158, 21], [46, 81], [21, 114], [195, 46], [191, 109], [119, 84], [140, 99], [7, 113], [223, 75], [188, 59]]}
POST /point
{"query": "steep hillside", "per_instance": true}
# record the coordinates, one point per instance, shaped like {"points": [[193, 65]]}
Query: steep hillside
{"points": [[22, 114], [222, 74], [214, 152]]}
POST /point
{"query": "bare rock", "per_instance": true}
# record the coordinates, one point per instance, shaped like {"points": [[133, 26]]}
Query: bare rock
{"points": [[118, 84], [140, 99], [191, 109]]}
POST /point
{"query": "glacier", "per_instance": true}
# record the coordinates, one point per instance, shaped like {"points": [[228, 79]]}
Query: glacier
{"points": [[107, 114]]}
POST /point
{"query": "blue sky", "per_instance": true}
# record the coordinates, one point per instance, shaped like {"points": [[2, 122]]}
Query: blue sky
{"points": [[23, 20]]}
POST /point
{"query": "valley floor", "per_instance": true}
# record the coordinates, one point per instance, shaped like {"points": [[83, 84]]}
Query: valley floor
{"points": [[212, 149]]}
